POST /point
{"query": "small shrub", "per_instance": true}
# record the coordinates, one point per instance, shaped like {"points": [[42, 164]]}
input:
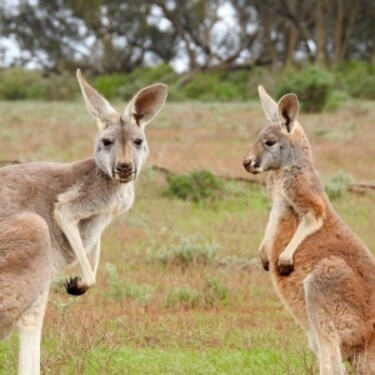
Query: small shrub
{"points": [[190, 251], [217, 86], [335, 99], [195, 186], [112, 85], [357, 78], [185, 297], [59, 87], [17, 84], [312, 86], [215, 292], [140, 293], [120, 85], [337, 184]]}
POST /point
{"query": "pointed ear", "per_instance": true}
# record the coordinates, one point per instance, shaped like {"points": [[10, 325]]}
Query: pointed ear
{"points": [[288, 110], [147, 103], [98, 107], [269, 105]]}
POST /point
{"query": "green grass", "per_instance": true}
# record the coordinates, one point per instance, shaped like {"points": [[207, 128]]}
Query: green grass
{"points": [[216, 316]]}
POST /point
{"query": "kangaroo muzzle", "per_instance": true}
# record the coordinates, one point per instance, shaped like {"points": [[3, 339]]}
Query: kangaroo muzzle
{"points": [[124, 172]]}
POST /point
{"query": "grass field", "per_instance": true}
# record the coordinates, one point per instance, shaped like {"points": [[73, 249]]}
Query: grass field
{"points": [[180, 289]]}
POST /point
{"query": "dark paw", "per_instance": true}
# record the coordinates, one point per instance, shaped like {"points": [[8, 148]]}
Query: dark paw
{"points": [[266, 265], [75, 287], [285, 269]]}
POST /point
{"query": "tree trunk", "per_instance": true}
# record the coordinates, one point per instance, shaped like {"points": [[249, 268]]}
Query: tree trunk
{"points": [[320, 33]]}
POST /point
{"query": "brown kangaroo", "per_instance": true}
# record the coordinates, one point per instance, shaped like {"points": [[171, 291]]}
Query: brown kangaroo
{"points": [[53, 214], [321, 270]]}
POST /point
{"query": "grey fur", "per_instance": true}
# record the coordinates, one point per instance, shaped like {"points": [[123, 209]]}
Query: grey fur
{"points": [[53, 214]]}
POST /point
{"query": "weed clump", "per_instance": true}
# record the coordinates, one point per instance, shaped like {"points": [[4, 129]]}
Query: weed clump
{"points": [[312, 85], [196, 186], [140, 293], [337, 184], [213, 293], [191, 251]]}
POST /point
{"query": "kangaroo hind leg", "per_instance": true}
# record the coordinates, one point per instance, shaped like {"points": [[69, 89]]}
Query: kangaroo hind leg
{"points": [[25, 268], [335, 312]]}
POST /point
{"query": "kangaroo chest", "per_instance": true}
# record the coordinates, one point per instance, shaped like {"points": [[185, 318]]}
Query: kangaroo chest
{"points": [[280, 207]]}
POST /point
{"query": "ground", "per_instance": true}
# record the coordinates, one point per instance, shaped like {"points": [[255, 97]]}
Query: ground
{"points": [[156, 308]]}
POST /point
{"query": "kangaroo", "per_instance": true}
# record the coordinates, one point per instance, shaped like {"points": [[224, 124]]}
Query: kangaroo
{"points": [[53, 214], [321, 270]]}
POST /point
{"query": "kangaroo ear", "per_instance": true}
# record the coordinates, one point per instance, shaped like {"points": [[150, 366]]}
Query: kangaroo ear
{"points": [[98, 107], [147, 103], [269, 105], [288, 110]]}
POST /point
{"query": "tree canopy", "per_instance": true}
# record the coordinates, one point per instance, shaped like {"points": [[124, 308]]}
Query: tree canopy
{"points": [[107, 36]]}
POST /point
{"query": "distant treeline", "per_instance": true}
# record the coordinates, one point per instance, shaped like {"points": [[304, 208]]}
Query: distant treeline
{"points": [[318, 88], [117, 36]]}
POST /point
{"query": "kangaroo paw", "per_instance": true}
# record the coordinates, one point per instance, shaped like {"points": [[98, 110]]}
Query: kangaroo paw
{"points": [[285, 269], [75, 287]]}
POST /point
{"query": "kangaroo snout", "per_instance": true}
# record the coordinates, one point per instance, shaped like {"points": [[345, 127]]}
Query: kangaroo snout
{"points": [[251, 165], [124, 171]]}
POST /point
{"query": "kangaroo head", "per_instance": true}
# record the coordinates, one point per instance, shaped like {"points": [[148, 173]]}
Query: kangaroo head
{"points": [[120, 146], [282, 141]]}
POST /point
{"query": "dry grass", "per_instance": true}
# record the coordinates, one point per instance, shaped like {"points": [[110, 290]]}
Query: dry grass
{"points": [[115, 328]]}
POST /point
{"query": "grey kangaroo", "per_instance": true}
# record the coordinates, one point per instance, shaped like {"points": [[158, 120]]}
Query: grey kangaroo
{"points": [[53, 214], [321, 270]]}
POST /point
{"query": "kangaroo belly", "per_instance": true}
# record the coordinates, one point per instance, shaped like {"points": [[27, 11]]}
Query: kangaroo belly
{"points": [[289, 288], [334, 239]]}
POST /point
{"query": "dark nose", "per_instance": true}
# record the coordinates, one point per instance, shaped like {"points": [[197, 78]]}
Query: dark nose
{"points": [[124, 168], [246, 163]]}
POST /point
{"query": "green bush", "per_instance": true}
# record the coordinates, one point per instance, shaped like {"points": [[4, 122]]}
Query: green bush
{"points": [[213, 293], [196, 186], [140, 293], [185, 297], [16, 84], [312, 85], [124, 86], [59, 87], [190, 251], [337, 184], [217, 86], [357, 78], [335, 99]]}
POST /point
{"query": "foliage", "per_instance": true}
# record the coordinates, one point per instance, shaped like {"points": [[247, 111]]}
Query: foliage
{"points": [[115, 36], [213, 293], [357, 78], [318, 89], [219, 86], [312, 86], [124, 86], [337, 184], [18, 84], [196, 186], [190, 251], [335, 99], [127, 289]]}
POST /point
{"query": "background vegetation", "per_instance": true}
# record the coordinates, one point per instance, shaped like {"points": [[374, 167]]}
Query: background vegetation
{"points": [[217, 50], [180, 289]]}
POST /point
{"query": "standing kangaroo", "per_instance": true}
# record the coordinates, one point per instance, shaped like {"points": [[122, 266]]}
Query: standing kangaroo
{"points": [[53, 214], [322, 272]]}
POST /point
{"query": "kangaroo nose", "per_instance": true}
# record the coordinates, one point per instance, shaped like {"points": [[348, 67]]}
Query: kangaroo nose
{"points": [[247, 163], [251, 164], [124, 168]]}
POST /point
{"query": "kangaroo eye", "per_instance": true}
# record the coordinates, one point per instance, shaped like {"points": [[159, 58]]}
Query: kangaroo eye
{"points": [[269, 143], [107, 142], [138, 141]]}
